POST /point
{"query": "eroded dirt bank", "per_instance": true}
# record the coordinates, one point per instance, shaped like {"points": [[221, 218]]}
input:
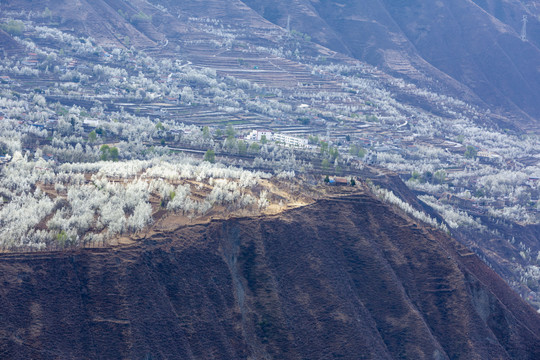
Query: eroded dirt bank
{"points": [[341, 278]]}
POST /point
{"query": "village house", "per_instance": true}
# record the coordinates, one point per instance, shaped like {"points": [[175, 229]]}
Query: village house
{"points": [[29, 62], [258, 134], [51, 123], [5, 79], [337, 181], [290, 140], [72, 64], [341, 181], [488, 157], [4, 159], [90, 124]]}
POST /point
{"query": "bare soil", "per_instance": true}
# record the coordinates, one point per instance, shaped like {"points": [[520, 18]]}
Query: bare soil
{"points": [[344, 277]]}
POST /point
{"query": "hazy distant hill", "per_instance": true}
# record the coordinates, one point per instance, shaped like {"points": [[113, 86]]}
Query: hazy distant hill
{"points": [[461, 48], [477, 43], [471, 50]]}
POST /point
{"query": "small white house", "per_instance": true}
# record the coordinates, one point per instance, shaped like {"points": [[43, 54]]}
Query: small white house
{"points": [[91, 123]]}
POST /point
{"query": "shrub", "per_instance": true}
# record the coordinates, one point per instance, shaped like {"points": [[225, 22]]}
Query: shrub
{"points": [[13, 27], [210, 156]]}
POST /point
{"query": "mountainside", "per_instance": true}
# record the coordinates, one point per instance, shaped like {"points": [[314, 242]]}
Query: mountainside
{"points": [[465, 49], [198, 179], [344, 278], [472, 48]]}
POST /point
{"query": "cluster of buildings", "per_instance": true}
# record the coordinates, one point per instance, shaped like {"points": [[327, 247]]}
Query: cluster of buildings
{"points": [[292, 141]]}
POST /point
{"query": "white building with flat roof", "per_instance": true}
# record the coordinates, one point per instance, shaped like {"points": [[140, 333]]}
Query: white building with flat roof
{"points": [[258, 134], [291, 140]]}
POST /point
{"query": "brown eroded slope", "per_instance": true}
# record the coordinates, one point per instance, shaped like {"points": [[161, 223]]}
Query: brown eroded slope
{"points": [[344, 277]]}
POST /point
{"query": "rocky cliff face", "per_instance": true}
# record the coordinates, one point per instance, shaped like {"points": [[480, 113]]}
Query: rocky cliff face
{"points": [[342, 278]]}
